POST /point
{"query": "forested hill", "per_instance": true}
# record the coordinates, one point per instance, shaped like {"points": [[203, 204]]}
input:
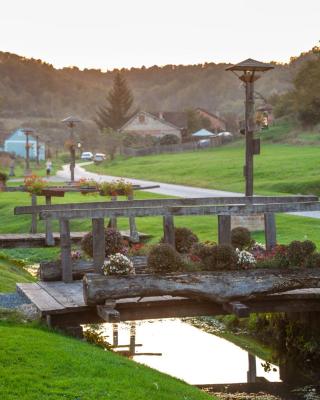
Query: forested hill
{"points": [[33, 89]]}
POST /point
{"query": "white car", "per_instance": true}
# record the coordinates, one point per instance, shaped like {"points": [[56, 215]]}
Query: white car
{"points": [[87, 155], [98, 157]]}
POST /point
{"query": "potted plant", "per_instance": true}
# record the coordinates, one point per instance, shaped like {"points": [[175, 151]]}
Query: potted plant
{"points": [[35, 185], [87, 185], [3, 180], [115, 188]]}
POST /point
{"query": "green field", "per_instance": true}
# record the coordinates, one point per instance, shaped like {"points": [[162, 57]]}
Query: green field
{"points": [[280, 168], [37, 364], [11, 272]]}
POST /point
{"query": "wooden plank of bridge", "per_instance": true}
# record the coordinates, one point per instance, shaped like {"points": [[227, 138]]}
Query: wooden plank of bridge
{"points": [[49, 235], [99, 243], [69, 295], [168, 230], [33, 228], [243, 209], [224, 229], [65, 244], [169, 202], [270, 230], [39, 297]]}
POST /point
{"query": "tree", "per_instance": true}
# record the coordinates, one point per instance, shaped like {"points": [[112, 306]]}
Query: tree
{"points": [[113, 141], [117, 112], [195, 123]]}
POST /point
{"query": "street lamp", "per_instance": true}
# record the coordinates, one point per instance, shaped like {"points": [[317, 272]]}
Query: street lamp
{"points": [[27, 132], [71, 123], [249, 71]]}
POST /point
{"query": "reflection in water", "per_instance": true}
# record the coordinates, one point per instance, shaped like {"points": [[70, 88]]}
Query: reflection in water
{"points": [[186, 352]]}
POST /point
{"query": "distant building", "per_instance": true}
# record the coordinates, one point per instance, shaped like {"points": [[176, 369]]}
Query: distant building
{"points": [[217, 124], [152, 124], [16, 144]]}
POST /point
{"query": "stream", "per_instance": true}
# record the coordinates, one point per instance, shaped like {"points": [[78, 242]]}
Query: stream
{"points": [[185, 352]]}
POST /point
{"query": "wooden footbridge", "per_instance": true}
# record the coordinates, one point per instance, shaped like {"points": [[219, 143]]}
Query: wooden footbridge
{"points": [[146, 296]]}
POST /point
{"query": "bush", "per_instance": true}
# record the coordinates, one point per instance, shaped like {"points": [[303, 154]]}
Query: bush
{"points": [[212, 257], [163, 258], [205, 253], [169, 139], [313, 261], [240, 238], [298, 252], [113, 240], [225, 257], [184, 239]]}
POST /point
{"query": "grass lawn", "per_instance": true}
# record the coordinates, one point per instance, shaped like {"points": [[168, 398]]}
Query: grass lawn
{"points": [[10, 273], [281, 168], [37, 364]]}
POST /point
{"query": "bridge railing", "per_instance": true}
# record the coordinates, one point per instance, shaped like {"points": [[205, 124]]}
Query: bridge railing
{"points": [[223, 207]]}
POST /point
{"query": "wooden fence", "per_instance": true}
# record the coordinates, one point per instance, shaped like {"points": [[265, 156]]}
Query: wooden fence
{"points": [[172, 148]]}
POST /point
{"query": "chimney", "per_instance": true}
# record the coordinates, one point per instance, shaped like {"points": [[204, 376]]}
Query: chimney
{"points": [[160, 113]]}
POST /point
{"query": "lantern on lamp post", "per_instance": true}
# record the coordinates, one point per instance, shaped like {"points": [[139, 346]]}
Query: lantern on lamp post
{"points": [[71, 123], [248, 72], [27, 132]]}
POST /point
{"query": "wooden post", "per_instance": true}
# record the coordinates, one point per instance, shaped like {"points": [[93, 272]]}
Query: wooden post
{"points": [[168, 230], [99, 244], [115, 335], [65, 244], [252, 371], [113, 220], [33, 228], [134, 235], [224, 229], [49, 235], [270, 230], [132, 346]]}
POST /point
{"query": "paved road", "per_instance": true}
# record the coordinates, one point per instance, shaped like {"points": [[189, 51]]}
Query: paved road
{"points": [[165, 188]]}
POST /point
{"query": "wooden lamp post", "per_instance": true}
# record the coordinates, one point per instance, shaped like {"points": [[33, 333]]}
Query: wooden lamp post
{"points": [[71, 123], [250, 71], [27, 132]]}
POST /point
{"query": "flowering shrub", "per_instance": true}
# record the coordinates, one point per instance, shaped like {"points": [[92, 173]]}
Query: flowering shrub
{"points": [[214, 256], [34, 184], [245, 259], [298, 252], [113, 240], [87, 183], [240, 238], [184, 239], [118, 264], [75, 255], [138, 249], [116, 188], [164, 258]]}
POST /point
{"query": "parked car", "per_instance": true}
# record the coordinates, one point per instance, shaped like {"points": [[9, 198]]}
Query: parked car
{"points": [[87, 155], [99, 157]]}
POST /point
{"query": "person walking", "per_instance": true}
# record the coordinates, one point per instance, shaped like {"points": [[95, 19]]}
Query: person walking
{"points": [[48, 167]]}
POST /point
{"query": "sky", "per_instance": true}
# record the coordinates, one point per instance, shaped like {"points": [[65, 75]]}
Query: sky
{"points": [[107, 34]]}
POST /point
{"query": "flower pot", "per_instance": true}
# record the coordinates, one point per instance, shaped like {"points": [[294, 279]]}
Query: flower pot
{"points": [[52, 192]]}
